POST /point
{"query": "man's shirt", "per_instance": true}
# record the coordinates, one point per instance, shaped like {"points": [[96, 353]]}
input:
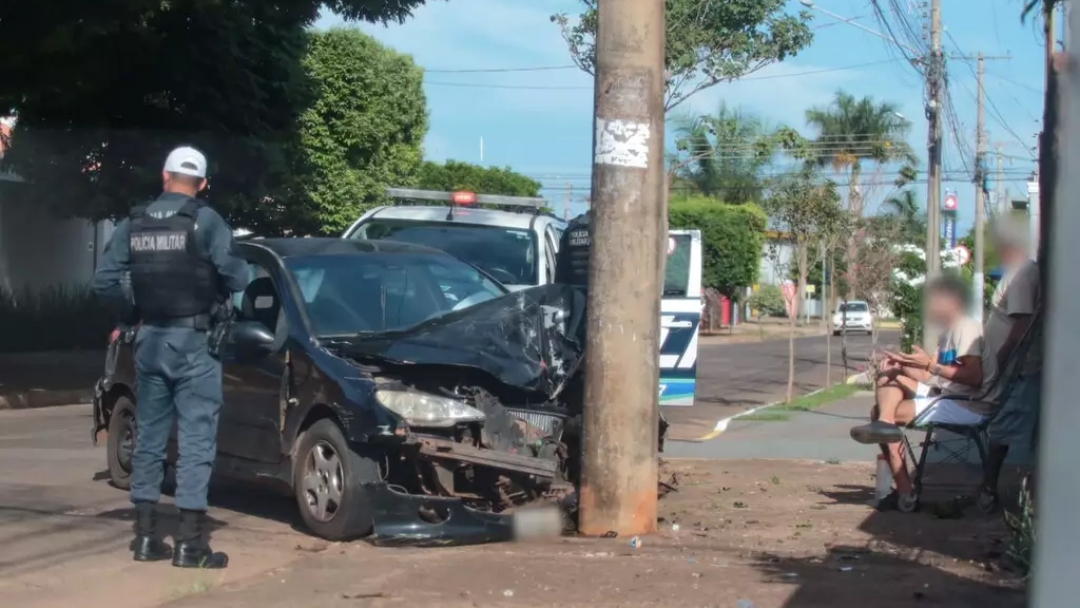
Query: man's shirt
{"points": [[212, 235], [1017, 294]]}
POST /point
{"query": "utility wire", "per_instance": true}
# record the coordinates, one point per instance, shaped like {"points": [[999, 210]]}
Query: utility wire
{"points": [[480, 85], [995, 113]]}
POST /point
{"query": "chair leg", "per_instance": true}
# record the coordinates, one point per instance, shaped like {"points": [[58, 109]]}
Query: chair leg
{"points": [[920, 468]]}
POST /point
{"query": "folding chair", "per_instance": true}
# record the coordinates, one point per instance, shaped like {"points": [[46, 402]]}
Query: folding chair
{"points": [[967, 436]]}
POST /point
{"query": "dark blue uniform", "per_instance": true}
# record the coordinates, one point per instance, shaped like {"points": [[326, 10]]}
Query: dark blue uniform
{"points": [[178, 379]]}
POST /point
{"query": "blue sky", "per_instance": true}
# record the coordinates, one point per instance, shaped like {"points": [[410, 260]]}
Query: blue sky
{"points": [[538, 122]]}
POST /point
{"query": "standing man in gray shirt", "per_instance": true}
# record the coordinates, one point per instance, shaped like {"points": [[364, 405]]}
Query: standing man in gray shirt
{"points": [[179, 255]]}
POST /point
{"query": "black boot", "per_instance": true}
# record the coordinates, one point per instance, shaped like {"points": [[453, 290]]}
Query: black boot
{"points": [[147, 546], [192, 549]]}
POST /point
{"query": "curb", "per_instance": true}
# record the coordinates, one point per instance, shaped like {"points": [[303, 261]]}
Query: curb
{"points": [[722, 425], [41, 398]]}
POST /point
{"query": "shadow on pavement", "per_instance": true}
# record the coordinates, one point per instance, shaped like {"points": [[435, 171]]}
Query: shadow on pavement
{"points": [[852, 577], [227, 494]]}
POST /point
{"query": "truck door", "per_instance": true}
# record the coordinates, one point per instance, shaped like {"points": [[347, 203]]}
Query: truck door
{"points": [[681, 306]]}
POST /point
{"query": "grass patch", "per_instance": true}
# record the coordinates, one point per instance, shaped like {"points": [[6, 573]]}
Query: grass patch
{"points": [[820, 398], [766, 415], [782, 411]]}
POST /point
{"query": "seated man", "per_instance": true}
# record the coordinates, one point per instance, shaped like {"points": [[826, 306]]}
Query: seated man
{"points": [[909, 384]]}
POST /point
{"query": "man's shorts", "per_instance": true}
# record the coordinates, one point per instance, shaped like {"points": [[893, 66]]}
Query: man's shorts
{"points": [[946, 411], [1018, 419]]}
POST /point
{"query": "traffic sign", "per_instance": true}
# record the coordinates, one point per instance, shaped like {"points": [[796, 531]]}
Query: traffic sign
{"points": [[962, 254], [950, 202]]}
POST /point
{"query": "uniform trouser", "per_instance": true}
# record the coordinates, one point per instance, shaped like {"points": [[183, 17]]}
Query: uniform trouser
{"points": [[178, 381]]}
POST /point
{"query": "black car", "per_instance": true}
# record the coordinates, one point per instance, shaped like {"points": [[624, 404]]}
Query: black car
{"points": [[390, 387]]}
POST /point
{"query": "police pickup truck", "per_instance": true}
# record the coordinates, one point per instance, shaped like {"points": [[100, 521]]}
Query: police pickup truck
{"points": [[517, 242]]}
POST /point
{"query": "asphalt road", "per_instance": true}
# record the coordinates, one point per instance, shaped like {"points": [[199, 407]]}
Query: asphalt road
{"points": [[733, 378], [64, 530]]}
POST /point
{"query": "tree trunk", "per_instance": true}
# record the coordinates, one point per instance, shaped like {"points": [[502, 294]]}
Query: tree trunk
{"points": [[827, 316], [855, 208], [790, 359], [800, 309]]}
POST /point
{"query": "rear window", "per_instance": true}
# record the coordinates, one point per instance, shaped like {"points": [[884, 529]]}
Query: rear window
{"points": [[507, 254], [853, 307]]}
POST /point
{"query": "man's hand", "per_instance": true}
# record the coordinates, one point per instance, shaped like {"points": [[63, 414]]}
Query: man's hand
{"points": [[917, 359]]}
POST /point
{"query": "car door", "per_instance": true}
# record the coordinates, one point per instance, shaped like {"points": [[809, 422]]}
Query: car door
{"points": [[250, 415]]}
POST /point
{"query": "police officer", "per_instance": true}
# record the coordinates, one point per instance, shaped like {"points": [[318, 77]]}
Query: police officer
{"points": [[572, 263], [179, 255]]}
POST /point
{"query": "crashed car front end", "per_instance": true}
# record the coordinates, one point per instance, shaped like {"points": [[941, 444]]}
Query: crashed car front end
{"points": [[490, 403]]}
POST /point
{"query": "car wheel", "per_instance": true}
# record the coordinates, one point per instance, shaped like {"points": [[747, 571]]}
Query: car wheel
{"points": [[121, 443], [327, 479]]}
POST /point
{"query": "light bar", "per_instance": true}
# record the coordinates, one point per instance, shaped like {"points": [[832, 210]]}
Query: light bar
{"points": [[459, 198]]}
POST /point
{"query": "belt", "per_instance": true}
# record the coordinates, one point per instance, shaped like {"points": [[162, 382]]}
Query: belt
{"points": [[199, 322]]}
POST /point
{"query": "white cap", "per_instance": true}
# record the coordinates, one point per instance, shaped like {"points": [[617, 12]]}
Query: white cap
{"points": [[186, 161]]}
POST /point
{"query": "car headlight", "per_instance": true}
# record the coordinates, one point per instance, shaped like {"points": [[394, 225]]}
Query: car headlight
{"points": [[424, 410]]}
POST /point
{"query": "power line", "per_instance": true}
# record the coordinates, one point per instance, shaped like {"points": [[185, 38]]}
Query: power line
{"points": [[542, 68], [1016, 83], [994, 111], [480, 85]]}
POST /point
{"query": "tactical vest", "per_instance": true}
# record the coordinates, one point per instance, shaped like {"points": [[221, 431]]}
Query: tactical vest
{"points": [[170, 277], [572, 265]]}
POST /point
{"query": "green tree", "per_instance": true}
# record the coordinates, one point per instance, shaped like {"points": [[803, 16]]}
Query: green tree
{"points": [[732, 240], [706, 42], [362, 132], [455, 175], [723, 155], [102, 91], [904, 208], [804, 210]]}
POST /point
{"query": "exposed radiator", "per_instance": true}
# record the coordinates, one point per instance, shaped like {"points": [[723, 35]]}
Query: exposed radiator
{"points": [[548, 424]]}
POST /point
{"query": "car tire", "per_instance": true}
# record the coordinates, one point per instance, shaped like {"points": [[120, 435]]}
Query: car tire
{"points": [[121, 442], [324, 454]]}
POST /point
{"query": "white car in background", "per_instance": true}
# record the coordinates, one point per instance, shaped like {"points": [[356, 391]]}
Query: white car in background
{"points": [[852, 316]]}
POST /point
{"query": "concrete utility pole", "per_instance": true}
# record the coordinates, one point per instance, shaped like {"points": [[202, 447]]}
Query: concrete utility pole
{"points": [[980, 209], [619, 473], [1002, 206], [978, 278], [935, 68]]}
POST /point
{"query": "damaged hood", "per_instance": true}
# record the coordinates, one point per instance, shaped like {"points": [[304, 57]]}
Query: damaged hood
{"points": [[531, 339]]}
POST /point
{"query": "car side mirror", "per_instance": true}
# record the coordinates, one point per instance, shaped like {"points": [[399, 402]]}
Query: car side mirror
{"points": [[251, 338]]}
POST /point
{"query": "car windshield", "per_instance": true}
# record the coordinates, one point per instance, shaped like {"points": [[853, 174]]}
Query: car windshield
{"points": [[508, 255], [853, 307], [384, 291]]}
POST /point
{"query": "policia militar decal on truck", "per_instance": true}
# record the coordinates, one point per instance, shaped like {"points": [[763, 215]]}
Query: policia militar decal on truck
{"points": [[680, 304]]}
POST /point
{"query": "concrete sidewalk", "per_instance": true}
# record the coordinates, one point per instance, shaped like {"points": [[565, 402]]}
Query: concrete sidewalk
{"points": [[822, 434], [45, 379]]}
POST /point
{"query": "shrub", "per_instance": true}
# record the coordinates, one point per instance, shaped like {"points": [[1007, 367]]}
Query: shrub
{"points": [[732, 238], [768, 300], [58, 318], [1021, 543]]}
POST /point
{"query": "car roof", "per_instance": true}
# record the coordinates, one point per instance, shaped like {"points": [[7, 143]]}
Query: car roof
{"points": [[286, 247], [521, 220]]}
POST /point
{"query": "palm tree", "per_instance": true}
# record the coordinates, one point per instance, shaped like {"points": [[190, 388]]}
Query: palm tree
{"points": [[904, 208], [723, 155], [852, 132]]}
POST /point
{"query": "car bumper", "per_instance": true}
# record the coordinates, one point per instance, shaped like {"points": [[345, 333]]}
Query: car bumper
{"points": [[398, 523]]}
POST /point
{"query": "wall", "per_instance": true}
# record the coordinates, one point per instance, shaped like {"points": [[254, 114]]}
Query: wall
{"points": [[38, 251]]}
